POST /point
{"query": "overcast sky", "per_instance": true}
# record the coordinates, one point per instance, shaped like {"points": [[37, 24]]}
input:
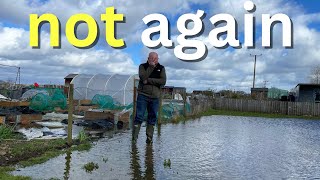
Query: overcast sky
{"points": [[222, 69]]}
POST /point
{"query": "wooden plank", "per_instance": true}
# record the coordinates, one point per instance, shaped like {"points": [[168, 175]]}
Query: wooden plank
{"points": [[85, 102], [70, 113], [26, 119], [2, 119], [98, 115], [84, 108], [185, 104], [125, 117], [13, 104], [23, 103]]}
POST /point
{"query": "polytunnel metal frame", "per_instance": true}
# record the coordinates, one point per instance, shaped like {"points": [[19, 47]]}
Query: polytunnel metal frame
{"points": [[105, 89]]}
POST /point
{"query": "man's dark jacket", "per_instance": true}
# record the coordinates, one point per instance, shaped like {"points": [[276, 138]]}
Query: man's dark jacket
{"points": [[155, 77]]}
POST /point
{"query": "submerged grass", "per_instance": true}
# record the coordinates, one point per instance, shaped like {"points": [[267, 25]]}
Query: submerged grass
{"points": [[5, 176], [167, 163], [29, 153], [36, 147], [47, 150], [41, 159], [89, 167]]}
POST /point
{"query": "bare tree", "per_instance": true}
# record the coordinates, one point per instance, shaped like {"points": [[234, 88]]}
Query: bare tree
{"points": [[315, 75]]}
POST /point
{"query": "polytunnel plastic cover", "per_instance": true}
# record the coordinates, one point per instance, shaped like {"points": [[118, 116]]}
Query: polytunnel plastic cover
{"points": [[119, 87]]}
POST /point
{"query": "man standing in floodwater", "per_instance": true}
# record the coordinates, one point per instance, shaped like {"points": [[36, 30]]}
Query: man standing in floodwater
{"points": [[152, 76]]}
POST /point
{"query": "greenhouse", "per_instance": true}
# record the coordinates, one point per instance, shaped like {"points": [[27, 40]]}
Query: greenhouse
{"points": [[119, 87], [275, 93]]}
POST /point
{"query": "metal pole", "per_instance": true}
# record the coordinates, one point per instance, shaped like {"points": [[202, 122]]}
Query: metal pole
{"points": [[18, 72], [70, 112], [254, 68]]}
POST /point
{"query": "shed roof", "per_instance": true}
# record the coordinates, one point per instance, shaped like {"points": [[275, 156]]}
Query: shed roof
{"points": [[70, 76], [307, 84]]}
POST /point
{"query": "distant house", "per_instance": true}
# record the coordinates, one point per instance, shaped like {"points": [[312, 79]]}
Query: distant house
{"points": [[307, 93], [203, 92], [259, 93]]}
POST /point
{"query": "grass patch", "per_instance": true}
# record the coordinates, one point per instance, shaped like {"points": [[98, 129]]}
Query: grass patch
{"points": [[105, 160], [6, 132], [4, 174], [29, 153], [86, 146], [83, 137], [167, 163], [252, 114], [211, 112], [41, 159], [37, 147], [89, 167], [49, 150]]}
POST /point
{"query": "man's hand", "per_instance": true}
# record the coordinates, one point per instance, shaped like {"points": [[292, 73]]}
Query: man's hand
{"points": [[153, 59], [145, 81], [151, 62]]}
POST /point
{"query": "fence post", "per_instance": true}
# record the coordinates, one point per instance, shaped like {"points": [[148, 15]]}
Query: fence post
{"points": [[70, 112], [134, 104], [184, 103], [160, 107]]}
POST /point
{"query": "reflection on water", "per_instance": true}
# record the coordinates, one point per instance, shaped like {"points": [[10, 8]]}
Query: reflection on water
{"points": [[216, 147], [136, 167], [149, 174], [67, 169]]}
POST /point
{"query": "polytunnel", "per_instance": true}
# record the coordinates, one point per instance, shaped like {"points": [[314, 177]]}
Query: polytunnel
{"points": [[119, 87]]}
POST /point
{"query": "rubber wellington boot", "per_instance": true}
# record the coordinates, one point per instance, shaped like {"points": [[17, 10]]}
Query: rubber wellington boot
{"points": [[135, 132], [149, 133]]}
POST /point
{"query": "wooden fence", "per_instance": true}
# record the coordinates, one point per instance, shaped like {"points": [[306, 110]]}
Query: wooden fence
{"points": [[278, 107], [198, 106]]}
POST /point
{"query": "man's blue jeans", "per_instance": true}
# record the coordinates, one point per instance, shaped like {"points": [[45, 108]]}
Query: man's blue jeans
{"points": [[146, 103]]}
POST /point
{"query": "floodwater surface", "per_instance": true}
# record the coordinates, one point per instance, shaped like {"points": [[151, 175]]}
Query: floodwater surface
{"points": [[215, 147]]}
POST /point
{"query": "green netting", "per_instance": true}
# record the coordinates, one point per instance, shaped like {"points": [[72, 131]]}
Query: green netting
{"points": [[167, 111], [173, 109], [47, 102], [107, 102], [58, 99], [41, 102]]}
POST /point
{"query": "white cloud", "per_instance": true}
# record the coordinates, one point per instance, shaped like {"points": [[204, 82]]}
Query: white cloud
{"points": [[52, 65]]}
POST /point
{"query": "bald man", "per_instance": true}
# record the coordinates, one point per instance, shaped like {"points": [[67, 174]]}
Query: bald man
{"points": [[152, 76]]}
